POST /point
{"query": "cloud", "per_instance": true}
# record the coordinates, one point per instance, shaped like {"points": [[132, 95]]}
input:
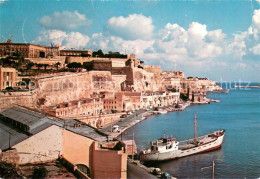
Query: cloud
{"points": [[135, 26], [76, 40], [216, 35], [115, 43], [197, 31], [58, 37], [65, 20], [255, 49], [189, 43], [256, 23], [257, 1]]}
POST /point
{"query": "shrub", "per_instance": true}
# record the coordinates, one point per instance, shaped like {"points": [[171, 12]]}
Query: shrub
{"points": [[8, 170], [39, 172]]}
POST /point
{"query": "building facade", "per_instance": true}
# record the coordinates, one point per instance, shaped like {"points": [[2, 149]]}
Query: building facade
{"points": [[8, 77]]}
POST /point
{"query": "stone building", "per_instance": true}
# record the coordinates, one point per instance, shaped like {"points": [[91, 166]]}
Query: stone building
{"points": [[73, 109], [8, 77], [122, 101], [159, 99], [197, 96], [173, 74], [34, 138], [197, 84], [26, 50], [75, 52]]}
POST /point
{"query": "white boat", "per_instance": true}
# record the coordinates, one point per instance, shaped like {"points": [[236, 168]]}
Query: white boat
{"points": [[168, 148], [162, 111]]}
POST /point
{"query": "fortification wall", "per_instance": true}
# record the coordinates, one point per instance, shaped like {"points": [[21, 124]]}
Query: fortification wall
{"points": [[156, 70], [49, 61], [117, 62], [128, 71], [58, 89], [20, 98]]}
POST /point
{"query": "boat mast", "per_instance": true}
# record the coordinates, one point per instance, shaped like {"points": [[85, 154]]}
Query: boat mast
{"points": [[195, 129]]}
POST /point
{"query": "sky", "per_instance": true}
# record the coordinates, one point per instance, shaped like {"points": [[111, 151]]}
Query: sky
{"points": [[219, 39]]}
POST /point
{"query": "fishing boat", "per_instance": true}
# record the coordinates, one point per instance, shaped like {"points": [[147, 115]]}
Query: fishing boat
{"points": [[168, 148]]}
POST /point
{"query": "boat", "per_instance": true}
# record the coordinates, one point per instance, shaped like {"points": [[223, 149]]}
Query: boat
{"points": [[162, 111], [246, 86], [168, 148], [219, 91]]}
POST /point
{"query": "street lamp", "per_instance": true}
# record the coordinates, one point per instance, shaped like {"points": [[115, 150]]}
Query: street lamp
{"points": [[213, 168]]}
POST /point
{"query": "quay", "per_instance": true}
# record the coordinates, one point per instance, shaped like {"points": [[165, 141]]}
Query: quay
{"points": [[137, 117]]}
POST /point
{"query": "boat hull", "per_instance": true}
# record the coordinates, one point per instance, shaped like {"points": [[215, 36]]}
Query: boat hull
{"points": [[182, 153]]}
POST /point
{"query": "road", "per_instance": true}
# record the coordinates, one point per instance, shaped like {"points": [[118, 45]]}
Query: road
{"points": [[133, 172], [130, 119]]}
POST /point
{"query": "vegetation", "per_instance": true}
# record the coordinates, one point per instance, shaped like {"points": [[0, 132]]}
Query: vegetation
{"points": [[39, 172], [39, 65], [74, 65], [8, 170], [110, 54], [57, 65], [88, 65], [29, 65], [45, 66]]}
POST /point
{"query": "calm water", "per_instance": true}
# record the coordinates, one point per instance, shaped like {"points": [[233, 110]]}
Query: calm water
{"points": [[238, 113]]}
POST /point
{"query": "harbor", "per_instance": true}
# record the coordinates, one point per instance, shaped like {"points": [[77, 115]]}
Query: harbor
{"points": [[210, 117]]}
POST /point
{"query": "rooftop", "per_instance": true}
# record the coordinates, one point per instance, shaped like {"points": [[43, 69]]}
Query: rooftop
{"points": [[25, 117], [11, 135]]}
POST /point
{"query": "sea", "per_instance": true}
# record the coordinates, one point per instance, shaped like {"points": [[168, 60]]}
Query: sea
{"points": [[238, 112]]}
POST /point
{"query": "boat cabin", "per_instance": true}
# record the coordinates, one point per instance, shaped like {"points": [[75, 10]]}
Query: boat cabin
{"points": [[164, 145]]}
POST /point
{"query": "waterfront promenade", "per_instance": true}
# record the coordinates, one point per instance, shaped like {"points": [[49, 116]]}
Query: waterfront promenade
{"points": [[124, 123]]}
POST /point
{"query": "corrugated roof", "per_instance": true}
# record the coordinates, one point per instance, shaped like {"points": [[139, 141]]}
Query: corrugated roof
{"points": [[85, 130], [39, 122], [26, 117]]}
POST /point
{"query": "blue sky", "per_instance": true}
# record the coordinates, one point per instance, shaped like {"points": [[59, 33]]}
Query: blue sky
{"points": [[216, 39]]}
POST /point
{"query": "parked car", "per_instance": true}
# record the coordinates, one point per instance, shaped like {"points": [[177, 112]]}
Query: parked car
{"points": [[129, 113], [115, 128], [123, 116], [166, 175], [156, 171]]}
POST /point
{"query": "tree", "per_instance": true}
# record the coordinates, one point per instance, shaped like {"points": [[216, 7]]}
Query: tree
{"points": [[45, 66], [39, 65], [98, 53], [29, 65], [57, 65]]}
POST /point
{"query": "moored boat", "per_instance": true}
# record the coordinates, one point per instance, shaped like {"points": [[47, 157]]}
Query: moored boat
{"points": [[168, 148]]}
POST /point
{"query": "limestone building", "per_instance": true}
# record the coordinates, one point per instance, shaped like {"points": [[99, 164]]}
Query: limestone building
{"points": [[7, 77], [76, 52], [26, 50]]}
